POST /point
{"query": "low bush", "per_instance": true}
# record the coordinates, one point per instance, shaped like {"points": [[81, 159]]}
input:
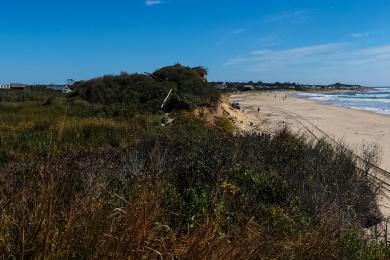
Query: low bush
{"points": [[137, 93], [189, 191]]}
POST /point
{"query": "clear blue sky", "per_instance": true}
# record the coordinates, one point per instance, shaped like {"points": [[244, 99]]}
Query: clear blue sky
{"points": [[307, 41]]}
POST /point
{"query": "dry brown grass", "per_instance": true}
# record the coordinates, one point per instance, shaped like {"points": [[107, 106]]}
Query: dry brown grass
{"points": [[89, 186]]}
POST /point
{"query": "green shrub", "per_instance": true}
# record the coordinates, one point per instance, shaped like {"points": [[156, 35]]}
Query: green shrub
{"points": [[187, 190], [139, 93]]}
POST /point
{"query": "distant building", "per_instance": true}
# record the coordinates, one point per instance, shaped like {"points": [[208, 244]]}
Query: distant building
{"points": [[247, 88], [262, 87], [5, 86], [18, 86], [13, 86], [220, 86]]}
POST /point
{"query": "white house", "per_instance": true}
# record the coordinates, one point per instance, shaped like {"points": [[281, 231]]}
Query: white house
{"points": [[5, 86], [13, 86]]}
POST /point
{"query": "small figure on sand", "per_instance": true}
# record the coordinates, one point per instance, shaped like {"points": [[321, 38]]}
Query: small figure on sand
{"points": [[258, 109]]}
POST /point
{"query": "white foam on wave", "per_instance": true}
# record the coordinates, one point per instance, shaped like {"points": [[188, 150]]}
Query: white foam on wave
{"points": [[372, 95], [376, 110], [377, 101], [383, 89], [353, 100], [308, 94]]}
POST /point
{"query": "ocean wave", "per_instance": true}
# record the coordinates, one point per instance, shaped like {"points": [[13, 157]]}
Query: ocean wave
{"points": [[308, 94], [377, 101], [373, 95], [383, 89], [347, 96], [372, 109]]}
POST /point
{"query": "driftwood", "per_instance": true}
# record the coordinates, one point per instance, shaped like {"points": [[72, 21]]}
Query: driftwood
{"points": [[165, 100]]}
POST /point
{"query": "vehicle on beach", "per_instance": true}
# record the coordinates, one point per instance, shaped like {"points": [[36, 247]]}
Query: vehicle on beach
{"points": [[236, 105]]}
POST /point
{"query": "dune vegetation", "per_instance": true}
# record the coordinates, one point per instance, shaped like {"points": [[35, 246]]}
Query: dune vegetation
{"points": [[95, 174]]}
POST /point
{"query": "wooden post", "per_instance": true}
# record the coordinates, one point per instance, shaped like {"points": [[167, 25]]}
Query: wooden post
{"points": [[387, 221]]}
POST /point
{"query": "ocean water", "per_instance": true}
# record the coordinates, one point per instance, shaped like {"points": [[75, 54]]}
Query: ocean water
{"points": [[376, 100]]}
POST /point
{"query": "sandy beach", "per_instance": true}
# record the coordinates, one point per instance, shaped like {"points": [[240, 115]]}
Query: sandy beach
{"points": [[279, 109], [351, 127]]}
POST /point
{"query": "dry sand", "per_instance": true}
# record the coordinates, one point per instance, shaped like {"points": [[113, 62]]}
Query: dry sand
{"points": [[354, 127], [280, 109]]}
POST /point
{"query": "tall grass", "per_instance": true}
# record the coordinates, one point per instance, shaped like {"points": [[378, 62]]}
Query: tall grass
{"points": [[186, 191], [29, 131], [79, 180]]}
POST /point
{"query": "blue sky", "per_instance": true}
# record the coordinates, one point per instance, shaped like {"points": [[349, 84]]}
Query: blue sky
{"points": [[306, 41]]}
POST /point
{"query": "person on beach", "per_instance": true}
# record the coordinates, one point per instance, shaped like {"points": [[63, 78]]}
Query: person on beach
{"points": [[258, 109]]}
